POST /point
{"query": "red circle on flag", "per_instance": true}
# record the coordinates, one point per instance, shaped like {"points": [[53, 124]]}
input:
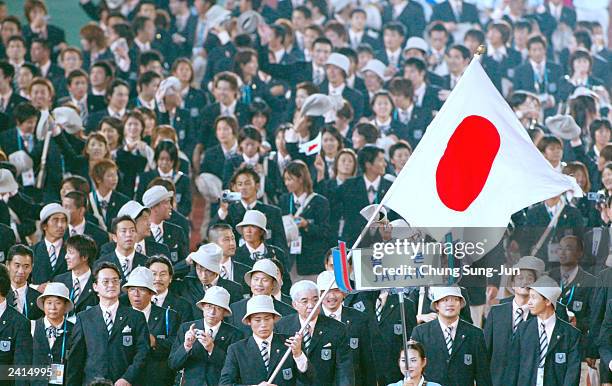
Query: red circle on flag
{"points": [[466, 163]]}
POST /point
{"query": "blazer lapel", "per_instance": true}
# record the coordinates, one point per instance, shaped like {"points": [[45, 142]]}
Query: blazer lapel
{"points": [[4, 320], [85, 292], [459, 339], [389, 306], [557, 336], [120, 319], [318, 335], [156, 320], [276, 353]]}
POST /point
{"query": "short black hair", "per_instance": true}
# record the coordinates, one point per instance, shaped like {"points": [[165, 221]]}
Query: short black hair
{"points": [[84, 245], [475, 34], [536, 40], [25, 111], [245, 170], [367, 155], [115, 84], [43, 42], [304, 10], [105, 265], [8, 71], [395, 26], [417, 63], [106, 66], [79, 198], [463, 50], [146, 78], [322, 40], [368, 130], [21, 250], [5, 281], [138, 23], [584, 37], [249, 132], [118, 220], [279, 31], [160, 259], [147, 57], [399, 145]]}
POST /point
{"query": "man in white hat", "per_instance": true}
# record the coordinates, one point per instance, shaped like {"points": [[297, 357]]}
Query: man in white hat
{"points": [[81, 252], [163, 325], [545, 350], [505, 318], [50, 333], [75, 203], [173, 114], [109, 340], [246, 181], [17, 351], [374, 77], [207, 261], [22, 297], [125, 257], [144, 242], [158, 200], [49, 253], [252, 360], [337, 69], [333, 362], [456, 350], [357, 327], [262, 279], [202, 344], [252, 228], [167, 295]]}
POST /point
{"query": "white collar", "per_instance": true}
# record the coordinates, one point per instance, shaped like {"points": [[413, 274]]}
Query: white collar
{"points": [[515, 307], [49, 324], [261, 248], [535, 65], [231, 108], [129, 258], [161, 297], [554, 209], [80, 229], [104, 198], [44, 69], [453, 326], [301, 199], [112, 112], [165, 175], [394, 54], [492, 50], [399, 8], [571, 275], [248, 206], [278, 55], [146, 311], [337, 313], [215, 329], [549, 325], [374, 183], [57, 245], [113, 309], [82, 279], [229, 268], [312, 324], [258, 341], [251, 160], [150, 105], [21, 291], [232, 150], [336, 90], [3, 307]]}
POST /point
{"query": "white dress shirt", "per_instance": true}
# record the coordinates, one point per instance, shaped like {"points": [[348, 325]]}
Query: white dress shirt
{"points": [[337, 314], [146, 311], [2, 308], [21, 296], [549, 326], [453, 327], [78, 229], [129, 259], [112, 309]]}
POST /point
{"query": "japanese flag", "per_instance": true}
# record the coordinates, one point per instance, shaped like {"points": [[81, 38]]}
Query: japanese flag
{"points": [[312, 147], [475, 166]]}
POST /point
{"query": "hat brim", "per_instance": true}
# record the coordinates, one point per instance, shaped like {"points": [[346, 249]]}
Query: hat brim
{"points": [[41, 299], [245, 223], [554, 303], [160, 199], [10, 187], [127, 285], [248, 314], [196, 260], [432, 306], [201, 303]]}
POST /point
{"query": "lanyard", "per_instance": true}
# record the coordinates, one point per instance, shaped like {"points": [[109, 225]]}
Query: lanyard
{"points": [[167, 321], [63, 351], [537, 81], [291, 204], [571, 296]]}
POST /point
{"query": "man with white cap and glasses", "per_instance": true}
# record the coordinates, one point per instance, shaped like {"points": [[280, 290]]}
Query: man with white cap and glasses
{"points": [[505, 318], [456, 350], [81, 252], [163, 325], [202, 344], [325, 341], [545, 350], [22, 297], [356, 325], [207, 260], [144, 242], [15, 338], [50, 333], [167, 295], [49, 253], [109, 340], [262, 279], [337, 69], [252, 360], [125, 257], [158, 200]]}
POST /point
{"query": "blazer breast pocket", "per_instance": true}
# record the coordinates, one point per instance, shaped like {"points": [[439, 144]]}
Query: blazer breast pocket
{"points": [[127, 340], [6, 344]]}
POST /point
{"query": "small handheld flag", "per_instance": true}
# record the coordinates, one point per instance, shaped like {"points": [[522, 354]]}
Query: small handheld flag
{"points": [[313, 146], [341, 267]]}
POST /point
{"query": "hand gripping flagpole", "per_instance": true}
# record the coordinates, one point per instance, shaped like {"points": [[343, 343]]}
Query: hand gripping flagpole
{"points": [[331, 283]]}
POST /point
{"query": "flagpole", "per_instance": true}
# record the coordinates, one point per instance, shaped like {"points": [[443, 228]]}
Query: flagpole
{"points": [[331, 283]]}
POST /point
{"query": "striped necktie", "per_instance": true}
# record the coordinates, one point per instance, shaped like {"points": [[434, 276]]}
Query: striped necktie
{"points": [[543, 346], [307, 339], [15, 300], [223, 273], [51, 332], [517, 319], [155, 300], [138, 248], [52, 256], [125, 268], [449, 340], [76, 286], [159, 238], [380, 304], [265, 354], [108, 319]]}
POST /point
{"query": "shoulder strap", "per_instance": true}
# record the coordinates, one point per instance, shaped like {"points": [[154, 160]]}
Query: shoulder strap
{"points": [[96, 212], [299, 211]]}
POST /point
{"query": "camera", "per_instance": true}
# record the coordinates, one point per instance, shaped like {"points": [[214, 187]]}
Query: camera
{"points": [[596, 196], [229, 196]]}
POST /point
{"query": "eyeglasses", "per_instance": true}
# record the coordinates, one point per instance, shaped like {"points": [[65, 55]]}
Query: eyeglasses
{"points": [[109, 282]]}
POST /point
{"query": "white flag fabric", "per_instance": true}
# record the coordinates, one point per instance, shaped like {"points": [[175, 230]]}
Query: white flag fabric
{"points": [[475, 166], [313, 146]]}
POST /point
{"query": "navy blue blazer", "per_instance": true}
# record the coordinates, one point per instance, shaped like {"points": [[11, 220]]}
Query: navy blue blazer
{"points": [[444, 12], [15, 341], [42, 271]]}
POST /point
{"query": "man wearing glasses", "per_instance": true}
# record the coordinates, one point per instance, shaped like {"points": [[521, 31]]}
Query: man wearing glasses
{"points": [[109, 340]]}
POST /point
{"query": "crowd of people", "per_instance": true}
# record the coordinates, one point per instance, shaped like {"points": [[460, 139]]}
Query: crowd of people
{"points": [[171, 191]]}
